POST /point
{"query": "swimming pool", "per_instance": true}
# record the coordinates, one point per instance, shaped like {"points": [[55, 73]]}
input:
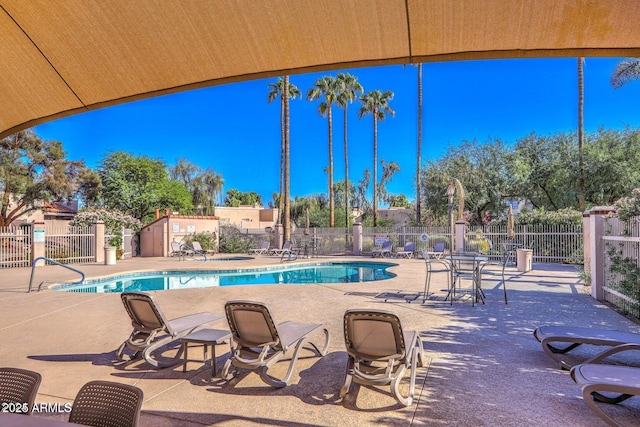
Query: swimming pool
{"points": [[326, 272]]}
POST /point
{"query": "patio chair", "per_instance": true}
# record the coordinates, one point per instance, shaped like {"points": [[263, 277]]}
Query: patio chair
{"points": [[384, 251], [263, 249], [574, 336], [198, 248], [437, 252], [107, 404], [19, 387], [466, 266], [435, 266], [151, 330], [379, 351], [488, 269], [618, 382], [287, 249], [407, 251], [180, 250], [259, 343]]}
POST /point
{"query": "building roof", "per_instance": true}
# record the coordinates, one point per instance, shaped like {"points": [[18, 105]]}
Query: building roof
{"points": [[59, 58]]}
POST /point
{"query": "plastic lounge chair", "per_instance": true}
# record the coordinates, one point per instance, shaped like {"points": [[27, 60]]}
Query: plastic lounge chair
{"points": [[19, 386], [407, 251], [180, 250], [435, 266], [437, 252], [286, 246], [107, 404], [576, 336], [619, 382], [487, 269], [258, 343], [198, 248], [151, 330], [263, 249], [287, 250], [383, 251], [380, 352]]}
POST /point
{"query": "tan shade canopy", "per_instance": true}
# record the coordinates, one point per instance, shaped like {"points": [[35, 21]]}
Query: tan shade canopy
{"points": [[67, 56]]}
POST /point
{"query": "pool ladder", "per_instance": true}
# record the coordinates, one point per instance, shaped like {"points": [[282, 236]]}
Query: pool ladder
{"points": [[52, 261]]}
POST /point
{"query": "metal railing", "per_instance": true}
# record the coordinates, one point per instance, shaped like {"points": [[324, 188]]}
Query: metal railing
{"points": [[51, 261]]}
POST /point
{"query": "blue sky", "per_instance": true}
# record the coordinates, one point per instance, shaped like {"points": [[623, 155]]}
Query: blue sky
{"points": [[233, 130]]}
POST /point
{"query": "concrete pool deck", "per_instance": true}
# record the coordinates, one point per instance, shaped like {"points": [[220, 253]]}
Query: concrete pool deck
{"points": [[483, 365]]}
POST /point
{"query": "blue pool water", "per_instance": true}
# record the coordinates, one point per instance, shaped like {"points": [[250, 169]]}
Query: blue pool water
{"points": [[329, 272]]}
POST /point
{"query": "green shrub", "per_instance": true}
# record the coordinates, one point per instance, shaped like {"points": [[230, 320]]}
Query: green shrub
{"points": [[232, 241], [207, 240]]}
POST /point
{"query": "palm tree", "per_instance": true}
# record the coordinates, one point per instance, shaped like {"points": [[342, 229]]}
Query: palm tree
{"points": [[419, 151], [277, 90], [581, 184], [327, 87], [349, 88], [625, 71], [375, 103]]}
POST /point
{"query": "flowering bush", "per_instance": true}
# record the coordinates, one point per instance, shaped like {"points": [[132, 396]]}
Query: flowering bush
{"points": [[114, 221], [628, 207]]}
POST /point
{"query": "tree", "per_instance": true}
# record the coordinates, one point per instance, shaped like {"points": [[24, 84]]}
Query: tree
{"points": [[237, 198], [137, 185], [277, 90], [205, 186], [419, 150], [375, 103], [388, 170], [625, 71], [399, 201], [33, 171], [581, 185], [327, 88], [348, 90]]}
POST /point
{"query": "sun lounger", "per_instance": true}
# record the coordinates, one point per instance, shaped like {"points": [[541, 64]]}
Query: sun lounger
{"points": [[407, 251], [618, 382], [180, 250], [380, 352], [258, 342], [437, 252], [151, 330], [383, 251], [198, 248], [576, 336], [262, 250]]}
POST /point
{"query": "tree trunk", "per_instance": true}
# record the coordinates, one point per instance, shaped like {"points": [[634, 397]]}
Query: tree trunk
{"points": [[331, 201], [581, 184], [375, 167], [287, 178], [419, 151], [346, 171]]}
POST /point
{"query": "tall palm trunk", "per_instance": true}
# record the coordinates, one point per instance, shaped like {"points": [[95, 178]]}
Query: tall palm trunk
{"points": [[346, 171], [419, 151], [581, 184], [282, 148], [375, 167], [331, 201], [287, 178]]}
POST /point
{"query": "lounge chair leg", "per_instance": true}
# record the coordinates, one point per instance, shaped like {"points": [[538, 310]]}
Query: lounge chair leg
{"points": [[395, 388], [587, 394], [348, 377]]}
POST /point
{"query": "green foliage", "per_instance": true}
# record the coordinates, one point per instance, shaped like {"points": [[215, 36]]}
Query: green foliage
{"points": [[541, 216], [628, 207], [232, 241], [235, 198], [399, 201], [206, 239], [627, 271], [477, 241], [114, 221], [137, 185], [204, 185], [33, 171]]}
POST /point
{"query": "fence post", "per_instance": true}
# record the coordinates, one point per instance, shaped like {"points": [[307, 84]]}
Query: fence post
{"points": [[357, 238], [460, 228], [596, 249], [98, 243], [38, 245]]}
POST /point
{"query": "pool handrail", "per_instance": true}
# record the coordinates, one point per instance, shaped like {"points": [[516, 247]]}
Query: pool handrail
{"points": [[195, 251], [52, 261]]}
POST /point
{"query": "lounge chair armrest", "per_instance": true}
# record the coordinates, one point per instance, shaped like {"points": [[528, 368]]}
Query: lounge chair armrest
{"points": [[613, 350]]}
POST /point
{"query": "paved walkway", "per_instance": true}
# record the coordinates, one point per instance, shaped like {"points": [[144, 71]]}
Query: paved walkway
{"points": [[483, 366]]}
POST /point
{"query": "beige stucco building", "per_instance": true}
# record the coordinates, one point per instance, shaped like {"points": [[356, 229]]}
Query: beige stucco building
{"points": [[156, 237], [247, 217]]}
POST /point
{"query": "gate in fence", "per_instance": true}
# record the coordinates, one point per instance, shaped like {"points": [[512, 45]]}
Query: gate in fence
{"points": [[15, 246]]}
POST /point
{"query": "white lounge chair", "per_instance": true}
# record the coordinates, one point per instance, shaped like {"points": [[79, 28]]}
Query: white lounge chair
{"points": [[384, 251], [407, 251], [262, 250]]}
